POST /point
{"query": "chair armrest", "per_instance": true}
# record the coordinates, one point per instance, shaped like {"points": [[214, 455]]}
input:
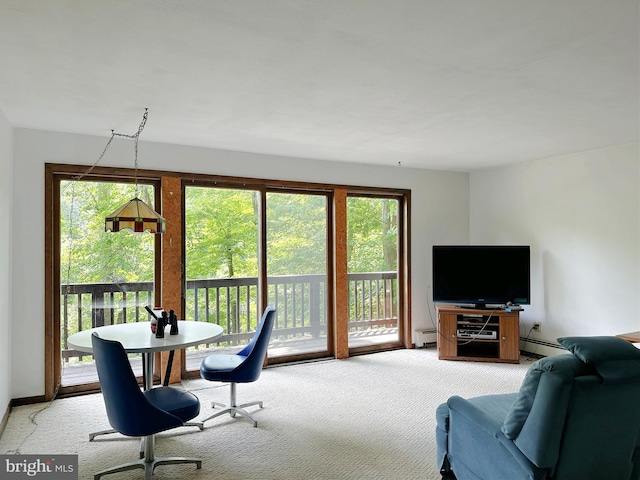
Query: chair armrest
{"points": [[478, 444], [474, 413]]}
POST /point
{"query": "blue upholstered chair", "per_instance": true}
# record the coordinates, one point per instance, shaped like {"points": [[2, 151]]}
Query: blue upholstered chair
{"points": [[242, 367], [135, 413], [576, 417]]}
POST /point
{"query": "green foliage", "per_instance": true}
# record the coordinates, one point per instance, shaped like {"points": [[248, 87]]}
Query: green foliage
{"points": [[296, 234], [372, 234], [221, 233], [88, 253]]}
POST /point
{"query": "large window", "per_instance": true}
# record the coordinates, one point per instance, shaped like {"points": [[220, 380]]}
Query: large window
{"points": [[333, 260]]}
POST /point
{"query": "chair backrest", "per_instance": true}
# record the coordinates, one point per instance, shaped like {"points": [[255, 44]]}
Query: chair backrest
{"points": [[128, 410], [577, 415], [256, 350]]}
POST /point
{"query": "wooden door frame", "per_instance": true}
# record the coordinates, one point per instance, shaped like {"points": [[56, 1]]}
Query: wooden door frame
{"points": [[54, 175]]}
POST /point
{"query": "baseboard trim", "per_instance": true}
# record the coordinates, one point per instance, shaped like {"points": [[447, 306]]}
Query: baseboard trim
{"points": [[5, 417], [540, 348], [17, 402]]}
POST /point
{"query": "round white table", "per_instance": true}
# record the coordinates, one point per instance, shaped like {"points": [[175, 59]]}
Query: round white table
{"points": [[138, 338]]}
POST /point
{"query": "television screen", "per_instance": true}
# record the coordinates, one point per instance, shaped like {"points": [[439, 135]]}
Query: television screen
{"points": [[481, 274]]}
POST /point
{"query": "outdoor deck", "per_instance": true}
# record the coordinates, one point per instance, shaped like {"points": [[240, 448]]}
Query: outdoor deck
{"points": [[300, 325], [78, 373]]}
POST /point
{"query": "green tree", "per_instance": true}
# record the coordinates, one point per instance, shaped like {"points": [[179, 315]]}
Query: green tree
{"points": [[297, 233], [372, 234], [88, 253], [222, 233]]}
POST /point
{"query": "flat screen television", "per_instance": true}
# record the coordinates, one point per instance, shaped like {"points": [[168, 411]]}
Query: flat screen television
{"points": [[481, 275]]}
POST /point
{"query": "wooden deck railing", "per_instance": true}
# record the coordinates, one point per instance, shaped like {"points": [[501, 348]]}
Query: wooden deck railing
{"points": [[300, 302]]}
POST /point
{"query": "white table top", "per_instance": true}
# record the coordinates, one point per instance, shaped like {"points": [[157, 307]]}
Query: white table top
{"points": [[138, 338]]}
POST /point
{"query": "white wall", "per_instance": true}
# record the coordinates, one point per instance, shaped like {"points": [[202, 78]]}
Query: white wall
{"points": [[581, 215], [440, 214], [6, 191]]}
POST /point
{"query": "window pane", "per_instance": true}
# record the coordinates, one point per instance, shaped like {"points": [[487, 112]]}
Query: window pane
{"points": [[297, 272], [106, 278], [372, 256], [221, 243]]}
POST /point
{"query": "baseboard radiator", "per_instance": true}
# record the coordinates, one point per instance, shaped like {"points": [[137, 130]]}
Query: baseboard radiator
{"points": [[425, 337], [541, 348]]}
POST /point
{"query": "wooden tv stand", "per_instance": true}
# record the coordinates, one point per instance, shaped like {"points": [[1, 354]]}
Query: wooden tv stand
{"points": [[504, 348]]}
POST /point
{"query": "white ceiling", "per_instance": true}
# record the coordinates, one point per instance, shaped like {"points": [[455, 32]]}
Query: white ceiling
{"points": [[444, 84]]}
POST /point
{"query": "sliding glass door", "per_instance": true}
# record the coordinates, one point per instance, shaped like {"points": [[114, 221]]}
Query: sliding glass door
{"points": [[105, 278], [222, 243], [372, 257], [221, 264], [297, 272]]}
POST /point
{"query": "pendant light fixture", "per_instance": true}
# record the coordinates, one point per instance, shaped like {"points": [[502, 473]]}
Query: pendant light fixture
{"points": [[135, 215]]}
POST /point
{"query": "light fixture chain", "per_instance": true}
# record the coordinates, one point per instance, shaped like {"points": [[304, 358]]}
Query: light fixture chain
{"points": [[135, 138], [77, 178], [145, 115]]}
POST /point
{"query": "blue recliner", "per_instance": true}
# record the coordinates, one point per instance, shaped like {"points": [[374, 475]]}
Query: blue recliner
{"points": [[242, 367], [135, 413], [576, 417]]}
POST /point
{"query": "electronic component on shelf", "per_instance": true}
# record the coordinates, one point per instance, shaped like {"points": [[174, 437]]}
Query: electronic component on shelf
{"points": [[477, 334]]}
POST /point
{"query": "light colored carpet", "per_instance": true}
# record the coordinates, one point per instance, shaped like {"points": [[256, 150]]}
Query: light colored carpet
{"points": [[366, 417]]}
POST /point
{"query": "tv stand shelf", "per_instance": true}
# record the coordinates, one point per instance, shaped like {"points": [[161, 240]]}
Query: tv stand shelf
{"points": [[505, 326]]}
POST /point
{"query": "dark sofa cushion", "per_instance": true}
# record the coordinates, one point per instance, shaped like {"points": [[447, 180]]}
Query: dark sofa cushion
{"points": [[616, 360], [596, 350]]}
